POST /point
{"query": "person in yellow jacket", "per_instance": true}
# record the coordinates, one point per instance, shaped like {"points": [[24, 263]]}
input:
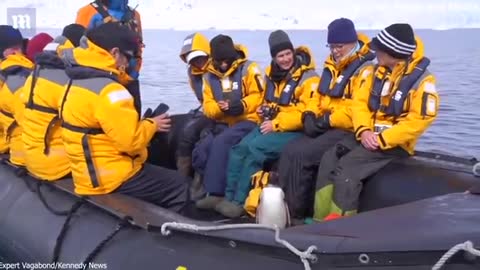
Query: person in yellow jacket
{"points": [[3, 141], [396, 103], [331, 122], [104, 137], [291, 85], [45, 156], [231, 97], [195, 52], [102, 11], [15, 68]]}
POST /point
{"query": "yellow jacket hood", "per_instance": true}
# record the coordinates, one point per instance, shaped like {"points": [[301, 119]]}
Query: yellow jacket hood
{"points": [[406, 67], [194, 42], [63, 44], [93, 56], [417, 55], [18, 60]]}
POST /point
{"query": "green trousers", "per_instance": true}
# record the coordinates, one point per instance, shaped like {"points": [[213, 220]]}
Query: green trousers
{"points": [[248, 157]]}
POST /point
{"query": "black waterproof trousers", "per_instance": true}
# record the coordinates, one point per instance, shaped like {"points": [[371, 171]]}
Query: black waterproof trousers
{"points": [[298, 167], [158, 185]]}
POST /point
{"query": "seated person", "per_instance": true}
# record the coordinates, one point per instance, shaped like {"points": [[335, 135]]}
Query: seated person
{"points": [[231, 97], [195, 53], [15, 68], [290, 85], [103, 136], [395, 105], [340, 80], [45, 155]]}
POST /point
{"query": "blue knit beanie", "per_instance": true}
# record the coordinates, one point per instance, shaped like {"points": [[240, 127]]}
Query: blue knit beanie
{"points": [[341, 31]]}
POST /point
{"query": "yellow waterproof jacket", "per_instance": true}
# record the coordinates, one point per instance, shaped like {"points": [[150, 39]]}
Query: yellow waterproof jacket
{"points": [[340, 82], [304, 97], [104, 140], [241, 82], [406, 106], [45, 153], [196, 42], [15, 68], [3, 141]]}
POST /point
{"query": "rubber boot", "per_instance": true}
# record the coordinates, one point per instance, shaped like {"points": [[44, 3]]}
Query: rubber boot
{"points": [[209, 202], [229, 209], [332, 216], [184, 165], [323, 202]]}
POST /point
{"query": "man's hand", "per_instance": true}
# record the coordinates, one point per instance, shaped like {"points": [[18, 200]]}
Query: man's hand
{"points": [[266, 127], [163, 122], [369, 140], [223, 105]]}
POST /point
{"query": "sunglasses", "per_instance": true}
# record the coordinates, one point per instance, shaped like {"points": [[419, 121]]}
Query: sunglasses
{"points": [[128, 54]]}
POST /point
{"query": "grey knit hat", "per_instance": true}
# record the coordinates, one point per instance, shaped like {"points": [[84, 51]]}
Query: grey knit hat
{"points": [[279, 41]]}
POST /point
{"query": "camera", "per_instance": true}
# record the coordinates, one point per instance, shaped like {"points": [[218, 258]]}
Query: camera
{"points": [[269, 112]]}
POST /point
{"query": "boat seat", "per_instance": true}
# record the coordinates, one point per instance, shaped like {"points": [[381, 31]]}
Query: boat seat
{"points": [[138, 212]]}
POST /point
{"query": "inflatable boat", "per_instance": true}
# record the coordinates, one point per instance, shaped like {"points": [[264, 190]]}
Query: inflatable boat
{"points": [[412, 213]]}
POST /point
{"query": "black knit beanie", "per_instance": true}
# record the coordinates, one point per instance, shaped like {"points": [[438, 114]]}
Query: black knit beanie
{"points": [[279, 41], [222, 48], [397, 40]]}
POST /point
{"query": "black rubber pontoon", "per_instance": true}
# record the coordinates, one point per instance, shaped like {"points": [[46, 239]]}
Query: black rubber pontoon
{"points": [[421, 212]]}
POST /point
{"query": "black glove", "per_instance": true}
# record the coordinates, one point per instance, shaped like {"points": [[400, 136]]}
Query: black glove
{"points": [[314, 127], [161, 109], [323, 123], [309, 120], [235, 108]]}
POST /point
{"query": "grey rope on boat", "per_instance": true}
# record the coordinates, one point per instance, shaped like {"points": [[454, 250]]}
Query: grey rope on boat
{"points": [[476, 169], [305, 256], [466, 246]]}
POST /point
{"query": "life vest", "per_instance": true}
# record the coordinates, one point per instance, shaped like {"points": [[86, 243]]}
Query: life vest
{"points": [[196, 81], [396, 105], [57, 76], [259, 181], [128, 18], [288, 93], [235, 91], [15, 78], [338, 89]]}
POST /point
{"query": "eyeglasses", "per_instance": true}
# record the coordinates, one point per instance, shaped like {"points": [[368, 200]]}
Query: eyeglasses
{"points": [[335, 46]]}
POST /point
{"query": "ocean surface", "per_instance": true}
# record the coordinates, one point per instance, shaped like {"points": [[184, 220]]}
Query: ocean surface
{"points": [[454, 55]]}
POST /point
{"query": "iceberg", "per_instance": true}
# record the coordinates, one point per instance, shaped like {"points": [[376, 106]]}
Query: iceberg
{"points": [[266, 15]]}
